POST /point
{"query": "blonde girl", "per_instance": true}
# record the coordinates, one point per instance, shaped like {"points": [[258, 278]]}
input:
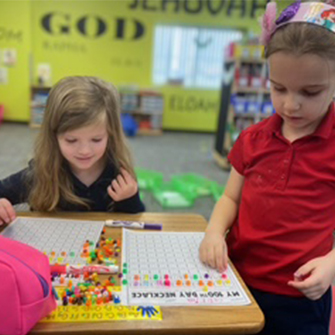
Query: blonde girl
{"points": [[81, 160]]}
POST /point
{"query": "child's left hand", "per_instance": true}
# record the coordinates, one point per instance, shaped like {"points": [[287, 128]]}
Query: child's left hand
{"points": [[314, 278], [124, 186]]}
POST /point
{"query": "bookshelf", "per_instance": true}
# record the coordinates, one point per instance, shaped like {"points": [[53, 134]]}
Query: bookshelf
{"points": [[245, 99], [146, 108]]}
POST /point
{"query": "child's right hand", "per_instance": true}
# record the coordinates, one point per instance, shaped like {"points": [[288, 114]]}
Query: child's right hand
{"points": [[7, 211], [213, 251], [124, 186]]}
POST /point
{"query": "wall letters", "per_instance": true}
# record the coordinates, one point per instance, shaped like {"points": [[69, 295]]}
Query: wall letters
{"points": [[10, 35], [90, 26], [245, 8]]}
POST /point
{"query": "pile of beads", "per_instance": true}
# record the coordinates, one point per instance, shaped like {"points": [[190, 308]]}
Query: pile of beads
{"points": [[108, 248], [102, 251], [90, 293]]}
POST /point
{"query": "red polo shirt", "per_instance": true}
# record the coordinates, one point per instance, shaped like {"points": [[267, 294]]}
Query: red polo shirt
{"points": [[287, 212]]}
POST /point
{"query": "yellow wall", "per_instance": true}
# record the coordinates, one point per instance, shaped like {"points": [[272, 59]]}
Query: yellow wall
{"points": [[121, 61], [15, 34], [129, 61], [195, 110]]}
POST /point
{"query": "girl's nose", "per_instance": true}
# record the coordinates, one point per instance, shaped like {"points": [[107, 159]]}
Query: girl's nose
{"points": [[292, 104], [84, 149]]}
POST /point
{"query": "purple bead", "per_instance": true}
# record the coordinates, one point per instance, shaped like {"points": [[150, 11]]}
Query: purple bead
{"points": [[289, 12], [206, 275]]}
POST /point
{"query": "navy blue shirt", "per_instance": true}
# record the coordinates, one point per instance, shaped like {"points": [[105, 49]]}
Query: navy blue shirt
{"points": [[16, 189]]}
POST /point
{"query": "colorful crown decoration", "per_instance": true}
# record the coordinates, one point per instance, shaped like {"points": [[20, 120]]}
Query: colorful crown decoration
{"points": [[317, 13]]}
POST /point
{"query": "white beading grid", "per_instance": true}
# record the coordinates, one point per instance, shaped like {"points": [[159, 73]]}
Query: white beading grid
{"points": [[55, 235]]}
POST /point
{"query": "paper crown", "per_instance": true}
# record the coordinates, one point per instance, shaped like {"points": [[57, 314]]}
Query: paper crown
{"points": [[317, 13]]}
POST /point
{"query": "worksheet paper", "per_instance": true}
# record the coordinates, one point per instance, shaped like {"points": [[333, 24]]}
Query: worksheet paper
{"points": [[164, 269]]}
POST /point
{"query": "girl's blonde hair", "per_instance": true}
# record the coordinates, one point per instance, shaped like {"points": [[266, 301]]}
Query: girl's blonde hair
{"points": [[302, 38], [74, 102]]}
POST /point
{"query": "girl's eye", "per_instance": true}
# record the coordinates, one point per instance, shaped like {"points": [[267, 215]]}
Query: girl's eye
{"points": [[70, 141], [279, 89], [311, 94], [96, 140]]}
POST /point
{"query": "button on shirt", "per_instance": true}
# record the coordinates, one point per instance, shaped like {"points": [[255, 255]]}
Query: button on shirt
{"points": [[287, 211]]}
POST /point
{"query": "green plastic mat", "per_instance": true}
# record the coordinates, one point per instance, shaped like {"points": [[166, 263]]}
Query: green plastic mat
{"points": [[171, 197], [148, 179], [193, 183]]}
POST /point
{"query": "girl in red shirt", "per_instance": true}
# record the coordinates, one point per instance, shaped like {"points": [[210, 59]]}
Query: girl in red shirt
{"points": [[279, 203]]}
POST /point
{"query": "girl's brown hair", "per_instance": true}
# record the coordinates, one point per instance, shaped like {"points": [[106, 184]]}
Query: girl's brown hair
{"points": [[302, 38], [74, 102]]}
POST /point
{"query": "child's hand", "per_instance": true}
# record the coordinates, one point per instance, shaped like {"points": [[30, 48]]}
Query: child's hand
{"points": [[7, 212], [213, 251], [123, 187], [314, 278]]}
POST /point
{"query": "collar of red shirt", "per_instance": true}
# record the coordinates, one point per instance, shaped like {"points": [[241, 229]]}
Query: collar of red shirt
{"points": [[324, 129]]}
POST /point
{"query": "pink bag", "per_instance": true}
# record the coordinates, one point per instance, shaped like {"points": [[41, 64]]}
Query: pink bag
{"points": [[25, 287]]}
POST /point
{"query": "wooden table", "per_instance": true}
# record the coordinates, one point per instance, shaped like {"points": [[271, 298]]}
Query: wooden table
{"points": [[176, 320]]}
